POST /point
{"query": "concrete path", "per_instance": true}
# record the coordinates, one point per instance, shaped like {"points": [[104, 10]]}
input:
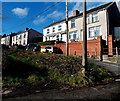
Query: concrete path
{"points": [[113, 67]]}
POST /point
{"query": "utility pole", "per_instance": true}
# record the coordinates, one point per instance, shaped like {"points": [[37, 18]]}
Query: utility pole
{"points": [[67, 33], [84, 47]]}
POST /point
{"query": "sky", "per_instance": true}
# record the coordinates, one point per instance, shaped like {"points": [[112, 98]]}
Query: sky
{"points": [[16, 16]]}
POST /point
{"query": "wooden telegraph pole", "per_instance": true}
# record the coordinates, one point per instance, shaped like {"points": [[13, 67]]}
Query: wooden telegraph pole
{"points": [[67, 33], [84, 47]]}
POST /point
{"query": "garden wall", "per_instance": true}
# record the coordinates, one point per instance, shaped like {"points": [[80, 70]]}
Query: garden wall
{"points": [[94, 47]]}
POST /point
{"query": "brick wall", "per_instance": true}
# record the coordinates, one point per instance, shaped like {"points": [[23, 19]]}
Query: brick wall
{"points": [[75, 48], [110, 45]]}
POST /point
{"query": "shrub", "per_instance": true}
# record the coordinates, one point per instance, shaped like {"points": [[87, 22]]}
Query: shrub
{"points": [[45, 43], [32, 78]]}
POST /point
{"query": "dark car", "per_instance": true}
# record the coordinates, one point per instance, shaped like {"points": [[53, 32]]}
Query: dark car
{"points": [[33, 47]]}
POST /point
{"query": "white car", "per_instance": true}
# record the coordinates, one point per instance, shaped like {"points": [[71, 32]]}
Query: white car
{"points": [[52, 49]]}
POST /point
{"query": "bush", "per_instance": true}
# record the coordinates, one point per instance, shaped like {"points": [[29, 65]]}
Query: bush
{"points": [[45, 43]]}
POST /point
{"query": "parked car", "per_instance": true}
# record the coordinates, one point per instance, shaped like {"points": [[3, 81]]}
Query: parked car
{"points": [[33, 47], [53, 49], [43, 50]]}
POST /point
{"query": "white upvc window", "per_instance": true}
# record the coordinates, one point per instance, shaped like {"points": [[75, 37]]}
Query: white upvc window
{"points": [[95, 17], [13, 38], [88, 19], [57, 37], [72, 35], [20, 37], [16, 37], [59, 27], [73, 23], [53, 29], [48, 31], [61, 37], [94, 31], [24, 35]]}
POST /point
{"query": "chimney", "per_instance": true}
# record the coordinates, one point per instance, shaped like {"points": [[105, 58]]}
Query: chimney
{"points": [[75, 12], [27, 29]]}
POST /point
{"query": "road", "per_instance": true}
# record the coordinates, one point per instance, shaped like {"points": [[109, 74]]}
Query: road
{"points": [[102, 92]]}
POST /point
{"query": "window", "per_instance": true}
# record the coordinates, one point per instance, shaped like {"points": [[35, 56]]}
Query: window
{"points": [[72, 35], [57, 37], [24, 35], [61, 38], [48, 31], [49, 38], [53, 29], [59, 28], [20, 42], [24, 42], [73, 23], [91, 32], [16, 37], [13, 38], [97, 31], [20, 36], [94, 31], [88, 19], [94, 17], [46, 38]]}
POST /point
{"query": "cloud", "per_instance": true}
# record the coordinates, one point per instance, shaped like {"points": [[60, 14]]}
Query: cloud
{"points": [[21, 12], [54, 15], [39, 20]]}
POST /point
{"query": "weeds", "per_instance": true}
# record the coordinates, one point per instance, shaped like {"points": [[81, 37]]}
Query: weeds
{"points": [[29, 67]]}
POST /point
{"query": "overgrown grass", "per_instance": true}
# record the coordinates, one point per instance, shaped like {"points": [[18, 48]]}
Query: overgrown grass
{"points": [[34, 66]]}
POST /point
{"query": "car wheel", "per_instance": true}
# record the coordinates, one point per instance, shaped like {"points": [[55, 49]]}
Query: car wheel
{"points": [[50, 52]]}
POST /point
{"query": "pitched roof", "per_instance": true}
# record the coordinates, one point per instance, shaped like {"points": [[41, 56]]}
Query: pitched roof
{"points": [[89, 11], [27, 31]]}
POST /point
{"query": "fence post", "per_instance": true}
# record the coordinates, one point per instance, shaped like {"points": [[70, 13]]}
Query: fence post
{"points": [[116, 55]]}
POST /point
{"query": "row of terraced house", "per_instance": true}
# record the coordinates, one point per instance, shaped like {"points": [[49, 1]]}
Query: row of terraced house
{"points": [[103, 29], [22, 38]]}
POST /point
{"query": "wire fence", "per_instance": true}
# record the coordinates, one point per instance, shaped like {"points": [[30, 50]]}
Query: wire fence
{"points": [[95, 51]]}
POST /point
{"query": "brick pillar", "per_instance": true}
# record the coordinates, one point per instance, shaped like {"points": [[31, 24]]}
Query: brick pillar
{"points": [[99, 48], [110, 45]]}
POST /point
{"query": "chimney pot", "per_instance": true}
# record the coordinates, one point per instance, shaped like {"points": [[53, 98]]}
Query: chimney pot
{"points": [[27, 29], [75, 12]]}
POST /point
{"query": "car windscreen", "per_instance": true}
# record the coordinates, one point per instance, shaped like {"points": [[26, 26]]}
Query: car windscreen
{"points": [[48, 47]]}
